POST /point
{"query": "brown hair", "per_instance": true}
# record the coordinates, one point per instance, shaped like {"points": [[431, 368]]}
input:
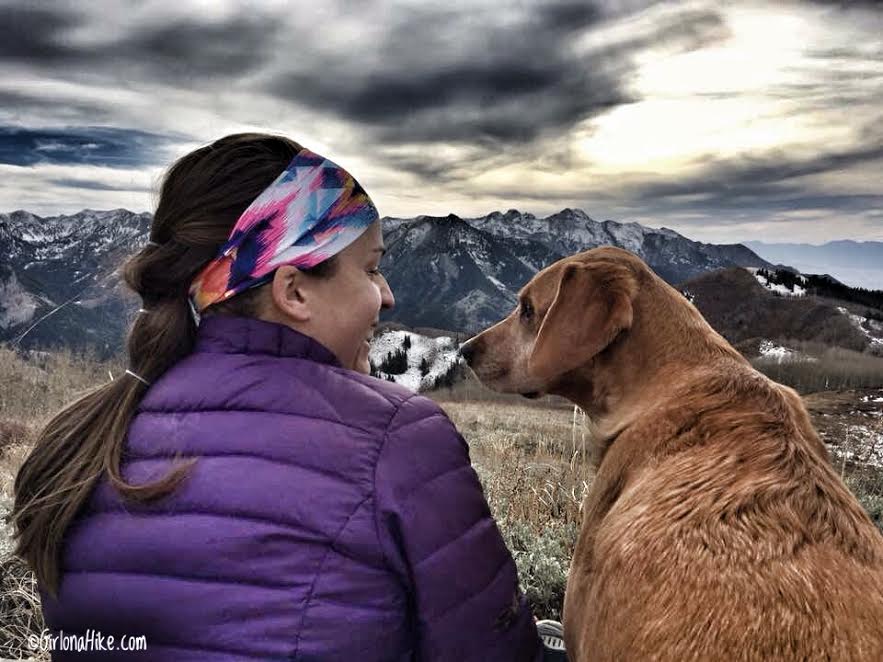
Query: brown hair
{"points": [[202, 196]]}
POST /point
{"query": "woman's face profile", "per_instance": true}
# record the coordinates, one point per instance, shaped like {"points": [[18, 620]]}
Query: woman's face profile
{"points": [[350, 301]]}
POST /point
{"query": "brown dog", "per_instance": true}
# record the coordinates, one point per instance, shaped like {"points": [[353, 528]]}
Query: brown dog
{"points": [[716, 528]]}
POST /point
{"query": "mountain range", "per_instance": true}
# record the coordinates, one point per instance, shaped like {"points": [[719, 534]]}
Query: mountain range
{"points": [[59, 286], [58, 281], [464, 274]]}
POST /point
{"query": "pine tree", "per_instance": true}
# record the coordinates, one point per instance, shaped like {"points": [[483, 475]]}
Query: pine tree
{"points": [[395, 363]]}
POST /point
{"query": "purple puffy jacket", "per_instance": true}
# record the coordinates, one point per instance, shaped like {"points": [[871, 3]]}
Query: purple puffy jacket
{"points": [[330, 516]]}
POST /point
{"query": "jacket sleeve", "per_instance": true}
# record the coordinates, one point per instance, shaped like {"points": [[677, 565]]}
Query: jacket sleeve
{"points": [[437, 534]]}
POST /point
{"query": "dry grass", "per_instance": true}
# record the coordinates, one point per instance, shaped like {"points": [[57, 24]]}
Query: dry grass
{"points": [[33, 388], [469, 389], [834, 368], [20, 614], [36, 385], [535, 459], [535, 468]]}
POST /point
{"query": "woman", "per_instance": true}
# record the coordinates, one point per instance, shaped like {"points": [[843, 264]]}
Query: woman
{"points": [[246, 491]]}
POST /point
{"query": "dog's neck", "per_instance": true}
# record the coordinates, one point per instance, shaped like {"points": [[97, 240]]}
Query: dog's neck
{"points": [[639, 370]]}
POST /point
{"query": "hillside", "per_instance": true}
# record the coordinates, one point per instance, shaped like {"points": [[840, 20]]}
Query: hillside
{"points": [[777, 305]]}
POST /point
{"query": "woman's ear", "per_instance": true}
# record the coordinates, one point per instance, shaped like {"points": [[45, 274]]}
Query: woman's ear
{"points": [[289, 293]]}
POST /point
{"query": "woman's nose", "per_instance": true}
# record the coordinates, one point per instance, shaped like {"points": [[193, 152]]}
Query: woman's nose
{"points": [[387, 300]]}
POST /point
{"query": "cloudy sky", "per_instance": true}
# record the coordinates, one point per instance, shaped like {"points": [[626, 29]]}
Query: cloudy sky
{"points": [[726, 121]]}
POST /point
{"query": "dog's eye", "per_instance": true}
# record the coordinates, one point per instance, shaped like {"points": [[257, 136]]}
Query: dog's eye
{"points": [[526, 310]]}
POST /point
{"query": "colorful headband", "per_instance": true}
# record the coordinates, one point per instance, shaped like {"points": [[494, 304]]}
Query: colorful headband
{"points": [[310, 212]]}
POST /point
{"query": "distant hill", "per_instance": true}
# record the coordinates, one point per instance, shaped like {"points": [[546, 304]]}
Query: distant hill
{"points": [[856, 263], [779, 305]]}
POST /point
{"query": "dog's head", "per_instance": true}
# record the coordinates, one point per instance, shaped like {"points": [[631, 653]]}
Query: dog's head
{"points": [[567, 315]]}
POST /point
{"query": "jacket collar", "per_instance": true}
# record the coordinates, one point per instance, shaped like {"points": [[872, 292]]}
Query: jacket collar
{"points": [[223, 334]]}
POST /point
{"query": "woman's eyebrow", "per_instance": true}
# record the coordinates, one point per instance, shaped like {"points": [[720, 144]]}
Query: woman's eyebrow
{"points": [[380, 250]]}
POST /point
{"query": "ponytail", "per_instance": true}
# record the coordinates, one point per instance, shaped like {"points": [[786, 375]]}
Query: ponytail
{"points": [[202, 196]]}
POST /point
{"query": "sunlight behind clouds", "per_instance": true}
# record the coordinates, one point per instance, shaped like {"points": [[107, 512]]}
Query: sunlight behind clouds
{"points": [[715, 101]]}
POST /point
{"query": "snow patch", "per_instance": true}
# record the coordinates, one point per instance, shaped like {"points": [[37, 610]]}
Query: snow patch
{"points": [[772, 352], [440, 354], [499, 285], [628, 235], [778, 288], [17, 306], [863, 445], [861, 324]]}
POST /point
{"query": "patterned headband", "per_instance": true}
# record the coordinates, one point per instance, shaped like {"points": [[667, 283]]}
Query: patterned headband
{"points": [[310, 212]]}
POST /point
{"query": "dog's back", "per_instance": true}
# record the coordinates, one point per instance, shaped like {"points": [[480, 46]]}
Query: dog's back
{"points": [[731, 538]]}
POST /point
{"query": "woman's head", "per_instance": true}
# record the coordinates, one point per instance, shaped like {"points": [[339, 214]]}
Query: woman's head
{"points": [[305, 253], [202, 196], [339, 311]]}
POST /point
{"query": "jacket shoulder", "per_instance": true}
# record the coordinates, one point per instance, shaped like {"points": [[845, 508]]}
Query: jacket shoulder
{"points": [[280, 385], [395, 394]]}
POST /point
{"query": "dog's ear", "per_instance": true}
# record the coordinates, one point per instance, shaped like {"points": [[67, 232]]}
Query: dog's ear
{"points": [[593, 305]]}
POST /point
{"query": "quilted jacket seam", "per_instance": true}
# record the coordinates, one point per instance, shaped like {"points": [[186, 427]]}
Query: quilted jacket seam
{"points": [[456, 605], [201, 511], [386, 434], [343, 372], [139, 457], [183, 577], [249, 410], [319, 570]]}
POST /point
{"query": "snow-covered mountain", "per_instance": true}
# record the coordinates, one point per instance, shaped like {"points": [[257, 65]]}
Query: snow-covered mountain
{"points": [[62, 270], [58, 285], [464, 273]]}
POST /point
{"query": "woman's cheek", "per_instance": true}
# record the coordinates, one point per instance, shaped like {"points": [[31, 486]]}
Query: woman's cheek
{"points": [[362, 362]]}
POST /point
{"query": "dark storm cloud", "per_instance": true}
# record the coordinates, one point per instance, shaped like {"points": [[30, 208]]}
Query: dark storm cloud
{"points": [[162, 51], [564, 17], [35, 34], [20, 108], [100, 146], [730, 193], [850, 4], [502, 84], [190, 48], [767, 180], [494, 78], [496, 84], [773, 199]]}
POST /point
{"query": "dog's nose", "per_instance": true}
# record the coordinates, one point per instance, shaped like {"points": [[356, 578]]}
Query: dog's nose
{"points": [[467, 351]]}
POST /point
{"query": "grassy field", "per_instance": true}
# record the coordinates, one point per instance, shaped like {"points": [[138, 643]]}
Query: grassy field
{"points": [[530, 455]]}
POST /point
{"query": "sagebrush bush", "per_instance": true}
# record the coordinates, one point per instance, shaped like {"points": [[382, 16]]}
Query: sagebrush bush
{"points": [[543, 560], [867, 485]]}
